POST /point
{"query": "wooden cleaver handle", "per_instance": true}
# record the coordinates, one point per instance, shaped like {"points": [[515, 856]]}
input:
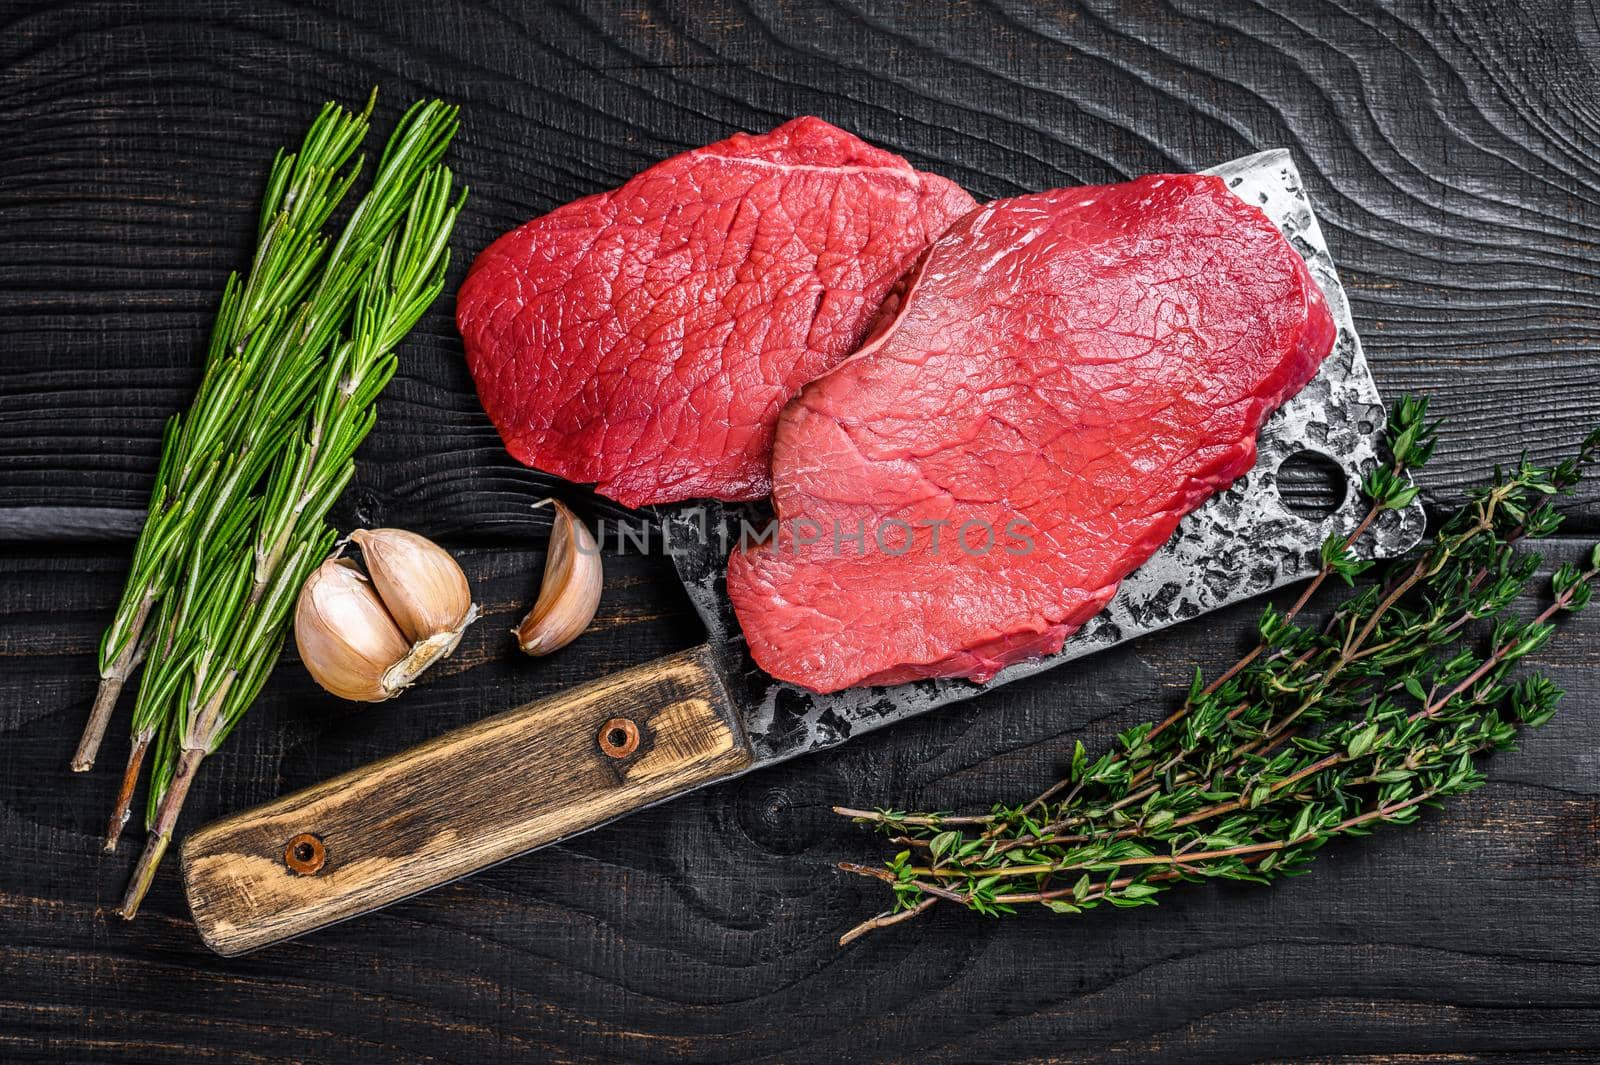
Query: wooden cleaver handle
{"points": [[462, 802]]}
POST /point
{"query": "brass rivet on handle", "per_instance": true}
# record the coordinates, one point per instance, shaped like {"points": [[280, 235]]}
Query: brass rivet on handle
{"points": [[305, 854], [619, 737]]}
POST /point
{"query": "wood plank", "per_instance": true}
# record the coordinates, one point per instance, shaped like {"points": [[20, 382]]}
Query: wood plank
{"points": [[705, 928], [1465, 220]]}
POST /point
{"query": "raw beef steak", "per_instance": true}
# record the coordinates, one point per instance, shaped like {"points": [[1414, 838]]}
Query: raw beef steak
{"points": [[1069, 374], [646, 338]]}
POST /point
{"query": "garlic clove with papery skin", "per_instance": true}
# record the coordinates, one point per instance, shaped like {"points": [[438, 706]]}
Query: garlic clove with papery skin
{"points": [[421, 585], [368, 638], [346, 638], [569, 594]]}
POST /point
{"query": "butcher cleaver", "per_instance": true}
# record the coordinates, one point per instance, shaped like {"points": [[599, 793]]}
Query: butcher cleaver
{"points": [[568, 763]]}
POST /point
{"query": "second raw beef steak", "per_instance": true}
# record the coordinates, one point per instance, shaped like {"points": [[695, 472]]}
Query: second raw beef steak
{"points": [[1069, 374]]}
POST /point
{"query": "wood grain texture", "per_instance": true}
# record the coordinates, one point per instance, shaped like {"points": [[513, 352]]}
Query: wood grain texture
{"points": [[1451, 151], [462, 802]]}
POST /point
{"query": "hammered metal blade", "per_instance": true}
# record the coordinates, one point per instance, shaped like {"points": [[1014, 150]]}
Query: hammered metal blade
{"points": [[1241, 543]]}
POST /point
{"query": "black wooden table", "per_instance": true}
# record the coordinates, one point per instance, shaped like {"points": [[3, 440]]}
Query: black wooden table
{"points": [[1453, 152]]}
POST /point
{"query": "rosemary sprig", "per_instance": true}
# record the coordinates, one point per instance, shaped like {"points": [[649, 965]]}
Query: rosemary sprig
{"points": [[230, 644], [1318, 732], [257, 371], [293, 363]]}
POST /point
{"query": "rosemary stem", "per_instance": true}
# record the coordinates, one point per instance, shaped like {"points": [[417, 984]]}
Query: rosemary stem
{"points": [[94, 731], [243, 373], [278, 424], [110, 689], [130, 781], [160, 833]]}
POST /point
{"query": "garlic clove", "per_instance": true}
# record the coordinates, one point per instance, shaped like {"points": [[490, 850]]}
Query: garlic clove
{"points": [[570, 592], [345, 637], [421, 585], [425, 653]]}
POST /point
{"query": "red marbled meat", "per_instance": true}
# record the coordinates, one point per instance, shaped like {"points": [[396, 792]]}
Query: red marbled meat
{"points": [[1091, 362], [646, 338]]}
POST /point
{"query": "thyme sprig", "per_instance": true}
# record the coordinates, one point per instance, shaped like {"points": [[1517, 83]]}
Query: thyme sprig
{"points": [[1319, 732]]}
